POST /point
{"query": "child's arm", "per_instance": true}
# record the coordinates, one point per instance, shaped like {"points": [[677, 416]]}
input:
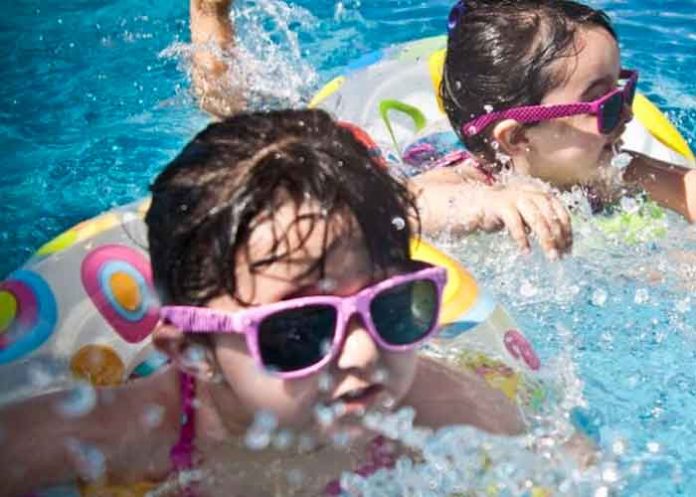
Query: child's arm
{"points": [[212, 35], [463, 204], [444, 396], [667, 184], [48, 440]]}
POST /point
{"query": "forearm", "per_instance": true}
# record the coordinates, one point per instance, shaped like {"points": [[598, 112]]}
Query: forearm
{"points": [[442, 396], [213, 35], [667, 184], [447, 201]]}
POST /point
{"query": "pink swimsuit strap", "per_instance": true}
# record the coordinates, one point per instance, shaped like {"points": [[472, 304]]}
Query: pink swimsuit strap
{"points": [[181, 454], [459, 156]]}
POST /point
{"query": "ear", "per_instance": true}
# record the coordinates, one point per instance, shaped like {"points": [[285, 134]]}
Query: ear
{"points": [[188, 356], [512, 138]]}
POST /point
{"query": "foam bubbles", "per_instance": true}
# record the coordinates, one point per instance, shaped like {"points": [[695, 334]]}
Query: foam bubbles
{"points": [[599, 297], [259, 434], [78, 401]]}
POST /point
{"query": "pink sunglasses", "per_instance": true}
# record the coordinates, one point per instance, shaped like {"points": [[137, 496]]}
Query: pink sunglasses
{"points": [[296, 338], [609, 109]]}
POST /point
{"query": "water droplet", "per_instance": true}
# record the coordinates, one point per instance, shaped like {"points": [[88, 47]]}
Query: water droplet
{"points": [[129, 217], [90, 461], [324, 415], [283, 440], [528, 290], [683, 306], [599, 297], [339, 409], [602, 492], [78, 401], [295, 477], [325, 382], [488, 108], [259, 434], [194, 356], [327, 285], [153, 415], [642, 296], [326, 346], [341, 438], [40, 377], [618, 447], [653, 447], [306, 443], [621, 160], [629, 205], [610, 473], [398, 223], [381, 375]]}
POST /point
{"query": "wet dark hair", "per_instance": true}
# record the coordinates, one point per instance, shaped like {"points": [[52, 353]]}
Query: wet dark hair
{"points": [[205, 202], [499, 54]]}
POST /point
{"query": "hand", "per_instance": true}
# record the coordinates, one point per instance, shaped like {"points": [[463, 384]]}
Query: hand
{"points": [[522, 206], [214, 6]]}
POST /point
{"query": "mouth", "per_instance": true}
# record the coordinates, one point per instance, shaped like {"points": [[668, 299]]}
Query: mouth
{"points": [[359, 399]]}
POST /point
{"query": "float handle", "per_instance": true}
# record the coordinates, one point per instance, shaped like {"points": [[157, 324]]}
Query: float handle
{"points": [[416, 116]]}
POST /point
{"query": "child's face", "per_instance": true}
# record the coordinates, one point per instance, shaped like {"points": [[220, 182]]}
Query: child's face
{"points": [[570, 151], [359, 366]]}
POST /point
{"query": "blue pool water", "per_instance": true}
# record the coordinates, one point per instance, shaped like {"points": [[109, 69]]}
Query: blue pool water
{"points": [[95, 101]]}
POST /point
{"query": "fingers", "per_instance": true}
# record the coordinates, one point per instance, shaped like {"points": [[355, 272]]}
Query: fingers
{"points": [[549, 221], [516, 227], [557, 220], [564, 221], [533, 217]]}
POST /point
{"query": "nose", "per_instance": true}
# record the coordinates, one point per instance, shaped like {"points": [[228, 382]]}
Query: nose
{"points": [[359, 350]]}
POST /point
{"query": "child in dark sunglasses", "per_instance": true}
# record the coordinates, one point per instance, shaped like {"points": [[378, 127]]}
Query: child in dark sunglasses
{"points": [[289, 295], [536, 86]]}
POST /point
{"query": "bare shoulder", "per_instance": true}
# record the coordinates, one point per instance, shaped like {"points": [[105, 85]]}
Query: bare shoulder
{"points": [[443, 395]]}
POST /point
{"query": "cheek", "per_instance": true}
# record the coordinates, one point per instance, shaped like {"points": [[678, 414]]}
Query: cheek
{"points": [[401, 370], [291, 402], [564, 154]]}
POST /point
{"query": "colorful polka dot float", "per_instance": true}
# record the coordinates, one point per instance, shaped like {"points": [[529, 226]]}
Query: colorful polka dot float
{"points": [[98, 364], [154, 362], [118, 279], [520, 348], [28, 314]]}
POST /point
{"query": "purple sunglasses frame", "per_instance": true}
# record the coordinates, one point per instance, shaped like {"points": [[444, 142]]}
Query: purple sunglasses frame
{"points": [[192, 319], [537, 113]]}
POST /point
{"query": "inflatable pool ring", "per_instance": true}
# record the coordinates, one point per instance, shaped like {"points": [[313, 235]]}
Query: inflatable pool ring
{"points": [[478, 334], [83, 306], [393, 95]]}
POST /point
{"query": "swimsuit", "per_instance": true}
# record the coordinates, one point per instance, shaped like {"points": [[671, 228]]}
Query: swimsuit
{"points": [[380, 453]]}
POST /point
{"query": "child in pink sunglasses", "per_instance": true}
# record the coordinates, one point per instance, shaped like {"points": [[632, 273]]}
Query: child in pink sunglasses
{"points": [[455, 199], [536, 86], [289, 295]]}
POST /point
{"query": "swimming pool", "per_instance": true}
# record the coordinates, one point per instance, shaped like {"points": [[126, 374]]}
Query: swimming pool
{"points": [[95, 102]]}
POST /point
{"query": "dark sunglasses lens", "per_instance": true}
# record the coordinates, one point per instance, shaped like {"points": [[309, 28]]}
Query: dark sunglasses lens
{"points": [[297, 338], [404, 314], [612, 110]]}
